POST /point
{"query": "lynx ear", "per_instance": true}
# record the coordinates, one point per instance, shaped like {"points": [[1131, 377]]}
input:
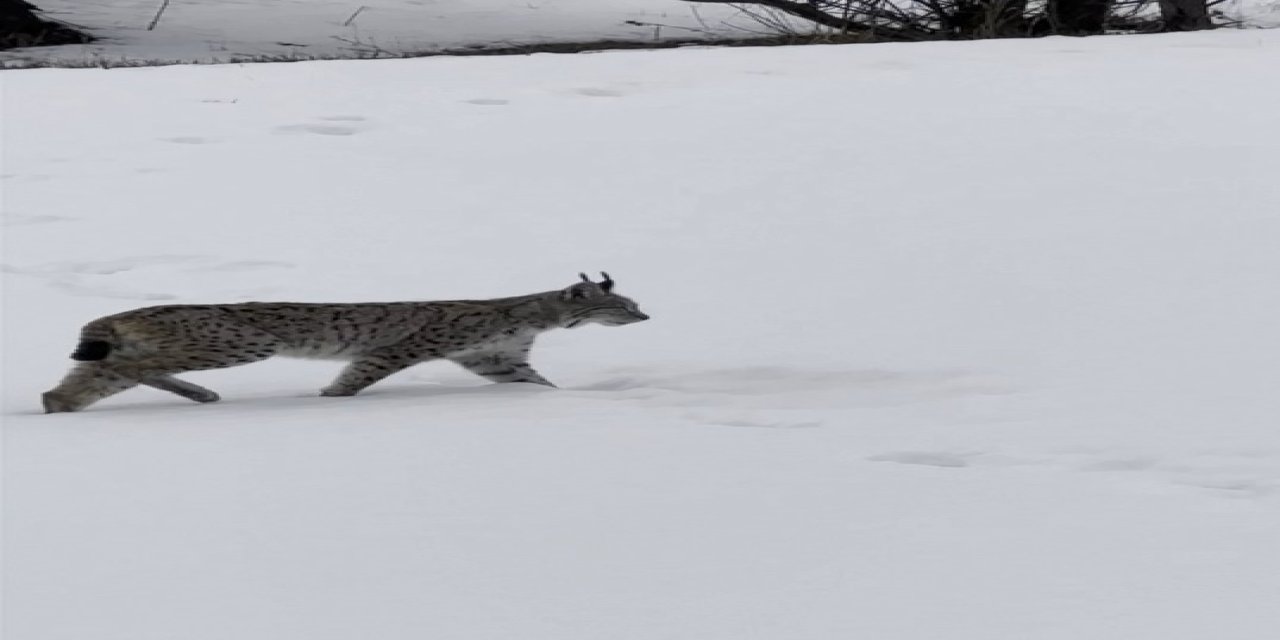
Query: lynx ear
{"points": [[587, 288], [605, 285]]}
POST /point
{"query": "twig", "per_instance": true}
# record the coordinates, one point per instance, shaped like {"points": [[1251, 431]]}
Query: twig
{"points": [[659, 25], [164, 5], [353, 16], [363, 49]]}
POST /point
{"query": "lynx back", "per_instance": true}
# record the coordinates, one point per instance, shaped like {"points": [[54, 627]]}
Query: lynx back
{"points": [[490, 338]]}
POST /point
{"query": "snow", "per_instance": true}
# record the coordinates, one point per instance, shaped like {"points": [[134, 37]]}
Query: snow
{"points": [[229, 30], [224, 30], [950, 340], [1264, 14]]}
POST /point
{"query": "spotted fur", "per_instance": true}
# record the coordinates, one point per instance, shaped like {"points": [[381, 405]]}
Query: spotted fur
{"points": [[490, 338]]}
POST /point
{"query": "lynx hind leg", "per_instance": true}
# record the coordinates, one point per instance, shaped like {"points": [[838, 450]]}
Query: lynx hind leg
{"points": [[152, 360], [86, 384], [361, 373], [157, 371], [182, 388]]}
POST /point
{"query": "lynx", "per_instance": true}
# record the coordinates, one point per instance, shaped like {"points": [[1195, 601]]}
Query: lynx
{"points": [[490, 338]]}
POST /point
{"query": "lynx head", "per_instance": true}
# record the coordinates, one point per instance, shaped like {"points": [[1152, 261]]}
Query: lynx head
{"points": [[587, 302]]}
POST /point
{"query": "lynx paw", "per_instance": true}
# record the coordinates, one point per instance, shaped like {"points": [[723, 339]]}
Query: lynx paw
{"points": [[207, 396], [56, 403]]}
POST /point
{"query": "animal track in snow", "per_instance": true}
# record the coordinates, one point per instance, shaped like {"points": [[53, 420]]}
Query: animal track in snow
{"points": [[768, 381], [318, 129], [70, 277], [925, 458], [322, 129], [80, 289], [488, 102], [103, 267], [245, 265], [99, 278], [189, 140], [1230, 473], [757, 422], [108, 267], [1232, 486], [598, 92], [10, 219]]}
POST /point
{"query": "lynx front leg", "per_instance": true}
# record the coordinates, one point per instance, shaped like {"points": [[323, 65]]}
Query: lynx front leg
{"points": [[87, 383], [363, 372], [503, 367]]}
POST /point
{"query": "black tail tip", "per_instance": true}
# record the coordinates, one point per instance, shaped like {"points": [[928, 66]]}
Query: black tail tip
{"points": [[91, 350]]}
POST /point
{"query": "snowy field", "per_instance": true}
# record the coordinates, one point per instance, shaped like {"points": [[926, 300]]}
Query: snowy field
{"points": [[222, 30], [228, 30], [971, 341]]}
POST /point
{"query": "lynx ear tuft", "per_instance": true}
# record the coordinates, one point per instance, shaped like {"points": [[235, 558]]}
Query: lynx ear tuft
{"points": [[605, 285], [587, 288]]}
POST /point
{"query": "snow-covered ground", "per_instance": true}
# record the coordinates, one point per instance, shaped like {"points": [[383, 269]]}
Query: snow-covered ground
{"points": [[970, 341], [230, 30], [222, 30]]}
